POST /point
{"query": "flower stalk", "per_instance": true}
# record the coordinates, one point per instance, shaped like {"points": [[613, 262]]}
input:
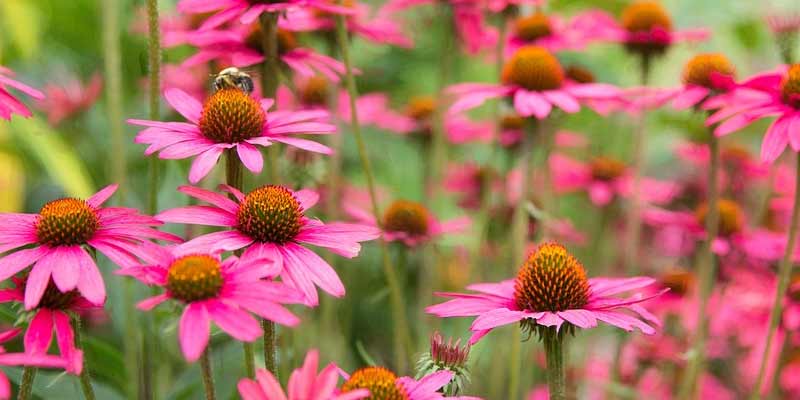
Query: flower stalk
{"points": [[784, 278], [402, 337], [270, 77], [85, 377], [208, 379], [26, 386], [706, 271], [154, 72], [270, 346], [519, 221], [554, 352]]}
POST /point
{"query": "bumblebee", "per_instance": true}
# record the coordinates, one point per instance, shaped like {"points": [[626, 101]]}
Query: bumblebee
{"points": [[233, 78]]}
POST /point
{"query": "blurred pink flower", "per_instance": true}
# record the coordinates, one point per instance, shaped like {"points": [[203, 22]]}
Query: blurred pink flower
{"points": [[604, 178], [467, 180], [33, 360], [192, 80], [535, 80], [304, 384], [473, 31], [270, 222], [248, 11], [10, 105], [378, 27], [551, 31], [409, 222], [704, 76], [64, 101], [52, 314], [533, 298], [229, 119], [59, 233], [771, 94], [211, 289]]}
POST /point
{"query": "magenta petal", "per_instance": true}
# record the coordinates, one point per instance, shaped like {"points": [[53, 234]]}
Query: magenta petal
{"points": [[90, 284], [65, 338], [67, 272], [580, 318], [193, 331], [186, 105], [100, 197], [250, 156], [17, 261], [40, 332], [203, 164], [775, 141], [497, 317], [235, 321], [318, 270], [150, 303], [38, 280], [531, 103], [250, 390]]}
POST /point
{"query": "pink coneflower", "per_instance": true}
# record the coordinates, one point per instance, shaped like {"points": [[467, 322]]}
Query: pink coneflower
{"points": [[59, 233], [469, 181], [536, 82], [384, 384], [212, 289], [550, 289], [64, 101], [8, 103], [773, 94], [52, 314], [270, 222], [409, 222], [740, 169], [704, 75], [34, 360], [241, 46], [248, 11], [604, 178], [377, 27], [645, 28], [734, 233], [304, 384], [229, 119], [551, 32]]}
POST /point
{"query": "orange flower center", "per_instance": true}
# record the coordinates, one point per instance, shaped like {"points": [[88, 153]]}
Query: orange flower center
{"points": [[790, 86], [678, 280], [66, 222], [580, 74], [731, 218], [643, 16], [230, 116], [194, 277], [270, 214], [606, 168], [699, 69], [380, 382], [511, 122], [533, 68], [421, 108], [406, 216], [533, 27], [551, 280], [315, 91]]}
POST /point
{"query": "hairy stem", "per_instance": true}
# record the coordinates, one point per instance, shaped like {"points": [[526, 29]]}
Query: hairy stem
{"points": [[556, 374], [208, 378], [26, 386], [270, 346], [85, 377], [402, 338], [784, 275]]}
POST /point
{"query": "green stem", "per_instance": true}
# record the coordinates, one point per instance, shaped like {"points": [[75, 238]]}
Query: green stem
{"points": [[85, 377], [270, 346], [784, 275], [113, 74], [154, 70], [26, 386], [402, 337], [706, 273], [270, 76], [556, 376], [249, 359], [519, 221], [634, 217], [208, 378]]}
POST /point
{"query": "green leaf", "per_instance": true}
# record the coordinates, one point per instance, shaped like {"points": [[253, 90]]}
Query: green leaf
{"points": [[56, 157]]}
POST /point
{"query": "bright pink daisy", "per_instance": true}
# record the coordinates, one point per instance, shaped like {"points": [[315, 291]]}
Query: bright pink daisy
{"points": [[29, 359], [230, 119], [384, 382], [304, 384], [772, 94], [270, 222], [52, 314], [59, 234], [550, 289], [248, 11], [212, 289], [241, 46], [409, 222], [71, 98], [8, 103], [605, 178], [535, 81]]}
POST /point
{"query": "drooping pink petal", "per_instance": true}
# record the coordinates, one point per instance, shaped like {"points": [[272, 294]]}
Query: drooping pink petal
{"points": [[235, 321], [203, 164], [193, 331], [40, 332]]}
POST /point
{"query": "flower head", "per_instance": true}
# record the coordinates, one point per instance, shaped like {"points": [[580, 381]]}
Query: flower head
{"points": [[59, 233], [551, 288], [270, 222], [383, 384], [212, 289], [8, 103], [62, 102], [229, 119], [446, 356], [248, 11], [304, 383], [40, 360]]}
